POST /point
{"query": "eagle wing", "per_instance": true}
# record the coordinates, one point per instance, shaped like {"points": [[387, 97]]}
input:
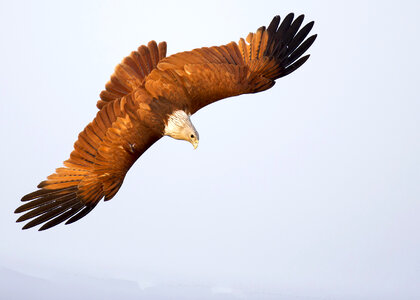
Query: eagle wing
{"points": [[202, 76], [102, 155], [131, 72], [115, 139]]}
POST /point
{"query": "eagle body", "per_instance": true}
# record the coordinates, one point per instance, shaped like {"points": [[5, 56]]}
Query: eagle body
{"points": [[150, 96]]}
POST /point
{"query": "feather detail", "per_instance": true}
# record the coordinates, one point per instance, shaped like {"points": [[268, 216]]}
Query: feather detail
{"points": [[275, 51], [96, 169], [132, 71]]}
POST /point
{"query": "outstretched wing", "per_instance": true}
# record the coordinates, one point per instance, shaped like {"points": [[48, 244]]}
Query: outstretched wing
{"points": [[131, 72], [103, 153], [199, 77]]}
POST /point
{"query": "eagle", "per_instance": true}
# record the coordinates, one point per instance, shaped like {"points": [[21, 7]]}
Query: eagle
{"points": [[150, 96]]}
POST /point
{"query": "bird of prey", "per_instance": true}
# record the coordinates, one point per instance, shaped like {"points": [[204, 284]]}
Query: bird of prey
{"points": [[150, 96]]}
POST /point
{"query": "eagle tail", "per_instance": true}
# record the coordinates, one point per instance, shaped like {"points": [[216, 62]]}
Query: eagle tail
{"points": [[276, 51]]}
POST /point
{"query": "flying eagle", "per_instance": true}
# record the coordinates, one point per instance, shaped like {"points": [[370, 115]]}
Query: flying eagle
{"points": [[150, 96]]}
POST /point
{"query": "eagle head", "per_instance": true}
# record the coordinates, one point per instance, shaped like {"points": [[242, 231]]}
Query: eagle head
{"points": [[179, 127]]}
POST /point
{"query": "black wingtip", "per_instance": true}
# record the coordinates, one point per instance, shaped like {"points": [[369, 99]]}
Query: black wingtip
{"points": [[27, 226], [300, 18], [284, 26], [80, 214], [311, 24], [293, 67], [21, 219], [274, 24], [290, 15]]}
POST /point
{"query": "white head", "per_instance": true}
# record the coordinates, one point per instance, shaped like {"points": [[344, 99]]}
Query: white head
{"points": [[180, 127]]}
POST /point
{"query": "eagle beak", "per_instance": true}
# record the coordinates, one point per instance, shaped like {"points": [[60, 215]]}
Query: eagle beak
{"points": [[195, 144]]}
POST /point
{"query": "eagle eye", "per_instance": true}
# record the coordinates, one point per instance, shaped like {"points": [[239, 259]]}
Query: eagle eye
{"points": [[192, 136]]}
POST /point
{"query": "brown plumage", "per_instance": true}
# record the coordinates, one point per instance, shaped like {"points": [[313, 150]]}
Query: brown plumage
{"points": [[151, 95]]}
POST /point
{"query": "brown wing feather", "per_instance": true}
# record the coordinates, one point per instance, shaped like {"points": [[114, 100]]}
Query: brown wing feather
{"points": [[131, 72], [199, 77], [103, 153]]}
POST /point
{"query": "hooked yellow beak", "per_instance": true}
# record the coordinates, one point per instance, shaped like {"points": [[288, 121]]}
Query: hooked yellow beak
{"points": [[195, 143]]}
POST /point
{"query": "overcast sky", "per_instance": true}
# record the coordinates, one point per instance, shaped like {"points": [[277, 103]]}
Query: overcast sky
{"points": [[307, 191]]}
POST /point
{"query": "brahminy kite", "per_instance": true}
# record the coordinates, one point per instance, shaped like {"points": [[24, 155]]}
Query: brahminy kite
{"points": [[150, 96]]}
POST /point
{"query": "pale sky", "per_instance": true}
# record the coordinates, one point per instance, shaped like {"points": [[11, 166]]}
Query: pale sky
{"points": [[307, 191]]}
